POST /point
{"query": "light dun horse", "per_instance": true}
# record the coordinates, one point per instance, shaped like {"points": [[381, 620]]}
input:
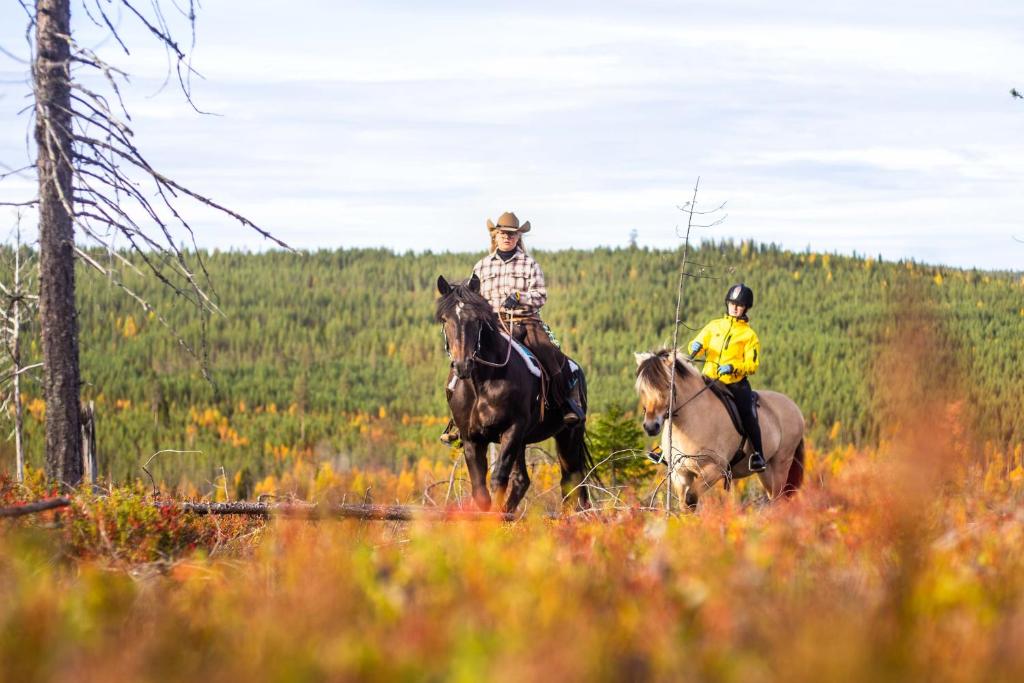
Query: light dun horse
{"points": [[704, 439]]}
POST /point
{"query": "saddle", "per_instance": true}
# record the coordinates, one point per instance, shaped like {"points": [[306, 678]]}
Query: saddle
{"points": [[727, 399]]}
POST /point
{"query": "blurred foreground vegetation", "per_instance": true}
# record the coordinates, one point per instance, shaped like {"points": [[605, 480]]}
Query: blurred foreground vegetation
{"points": [[878, 570]]}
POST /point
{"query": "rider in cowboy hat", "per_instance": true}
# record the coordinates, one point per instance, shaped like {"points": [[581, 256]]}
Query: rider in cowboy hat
{"points": [[732, 353], [513, 283]]}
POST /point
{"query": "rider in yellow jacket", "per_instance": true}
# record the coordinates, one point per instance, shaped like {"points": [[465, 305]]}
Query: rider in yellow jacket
{"points": [[728, 342], [732, 353]]}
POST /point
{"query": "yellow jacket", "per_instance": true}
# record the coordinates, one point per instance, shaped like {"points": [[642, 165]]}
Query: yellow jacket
{"points": [[729, 341]]}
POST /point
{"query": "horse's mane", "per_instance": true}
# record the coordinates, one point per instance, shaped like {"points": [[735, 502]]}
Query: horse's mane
{"points": [[474, 306], [652, 375]]}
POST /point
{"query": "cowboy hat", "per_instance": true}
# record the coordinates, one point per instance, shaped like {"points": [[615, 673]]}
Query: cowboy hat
{"points": [[507, 222]]}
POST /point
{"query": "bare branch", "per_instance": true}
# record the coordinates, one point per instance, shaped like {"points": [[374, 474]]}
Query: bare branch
{"points": [[15, 373], [16, 171], [145, 466]]}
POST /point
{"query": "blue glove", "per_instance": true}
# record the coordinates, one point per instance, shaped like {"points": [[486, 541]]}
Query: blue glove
{"points": [[725, 369], [512, 301], [695, 348]]}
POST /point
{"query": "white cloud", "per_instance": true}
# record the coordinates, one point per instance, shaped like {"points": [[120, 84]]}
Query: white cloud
{"points": [[883, 124]]}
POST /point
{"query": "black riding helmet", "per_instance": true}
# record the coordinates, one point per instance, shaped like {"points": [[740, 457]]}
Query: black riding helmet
{"points": [[741, 295]]}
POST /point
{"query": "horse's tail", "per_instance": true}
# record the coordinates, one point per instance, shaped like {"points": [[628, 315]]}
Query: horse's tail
{"points": [[796, 472]]}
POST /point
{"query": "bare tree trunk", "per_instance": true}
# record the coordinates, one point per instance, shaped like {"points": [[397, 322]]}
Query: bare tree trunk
{"points": [[89, 461], [19, 452], [58, 321]]}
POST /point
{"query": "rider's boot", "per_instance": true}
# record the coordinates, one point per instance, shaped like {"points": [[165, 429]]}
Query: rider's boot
{"points": [[450, 436], [756, 463], [574, 414], [750, 425]]}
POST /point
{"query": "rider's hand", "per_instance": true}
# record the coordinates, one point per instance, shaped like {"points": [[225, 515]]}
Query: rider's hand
{"points": [[695, 348], [512, 301], [725, 369]]}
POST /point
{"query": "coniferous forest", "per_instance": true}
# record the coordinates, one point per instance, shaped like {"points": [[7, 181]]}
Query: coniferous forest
{"points": [[334, 356]]}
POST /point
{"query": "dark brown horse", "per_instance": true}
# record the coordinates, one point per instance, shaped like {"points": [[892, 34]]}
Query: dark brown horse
{"points": [[495, 397]]}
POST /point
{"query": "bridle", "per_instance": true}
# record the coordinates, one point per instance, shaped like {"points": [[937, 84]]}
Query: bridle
{"points": [[682, 405], [475, 356]]}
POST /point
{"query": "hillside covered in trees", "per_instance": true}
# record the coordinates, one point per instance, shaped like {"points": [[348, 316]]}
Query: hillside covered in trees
{"points": [[334, 355]]}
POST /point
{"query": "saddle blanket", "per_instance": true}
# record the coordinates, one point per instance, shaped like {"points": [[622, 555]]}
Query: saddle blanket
{"points": [[531, 360]]}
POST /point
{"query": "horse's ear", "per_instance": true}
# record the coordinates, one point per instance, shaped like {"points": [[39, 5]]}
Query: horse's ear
{"points": [[474, 284], [443, 288], [641, 357]]}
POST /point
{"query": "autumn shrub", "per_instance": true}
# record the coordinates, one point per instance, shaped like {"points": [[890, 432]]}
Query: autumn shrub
{"points": [[128, 525]]}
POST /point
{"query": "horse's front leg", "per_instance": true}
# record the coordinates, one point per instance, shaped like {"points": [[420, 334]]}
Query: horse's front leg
{"points": [[512, 446], [685, 486], [476, 463]]}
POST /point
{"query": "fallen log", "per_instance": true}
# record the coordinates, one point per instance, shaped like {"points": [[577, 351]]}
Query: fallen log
{"points": [[38, 506], [380, 513], [383, 513]]}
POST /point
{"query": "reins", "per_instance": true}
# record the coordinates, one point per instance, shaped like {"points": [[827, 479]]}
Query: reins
{"points": [[479, 338], [510, 341], [683, 404], [508, 353], [506, 329]]}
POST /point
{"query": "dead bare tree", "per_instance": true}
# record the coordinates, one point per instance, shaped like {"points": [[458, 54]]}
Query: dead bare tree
{"points": [[19, 303], [95, 184], [716, 218]]}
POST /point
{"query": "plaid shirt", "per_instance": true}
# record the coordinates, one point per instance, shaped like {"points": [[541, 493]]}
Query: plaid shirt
{"points": [[520, 274]]}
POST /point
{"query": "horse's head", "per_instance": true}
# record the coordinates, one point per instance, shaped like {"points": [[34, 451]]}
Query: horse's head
{"points": [[654, 385], [463, 314]]}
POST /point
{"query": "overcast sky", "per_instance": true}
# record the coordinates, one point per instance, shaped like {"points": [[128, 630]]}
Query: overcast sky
{"points": [[877, 127]]}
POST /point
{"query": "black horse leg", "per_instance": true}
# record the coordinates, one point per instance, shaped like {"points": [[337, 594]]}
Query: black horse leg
{"points": [[572, 457], [512, 444], [476, 463], [520, 482]]}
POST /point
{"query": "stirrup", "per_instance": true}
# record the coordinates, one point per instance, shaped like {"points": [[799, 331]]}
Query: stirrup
{"points": [[760, 465]]}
